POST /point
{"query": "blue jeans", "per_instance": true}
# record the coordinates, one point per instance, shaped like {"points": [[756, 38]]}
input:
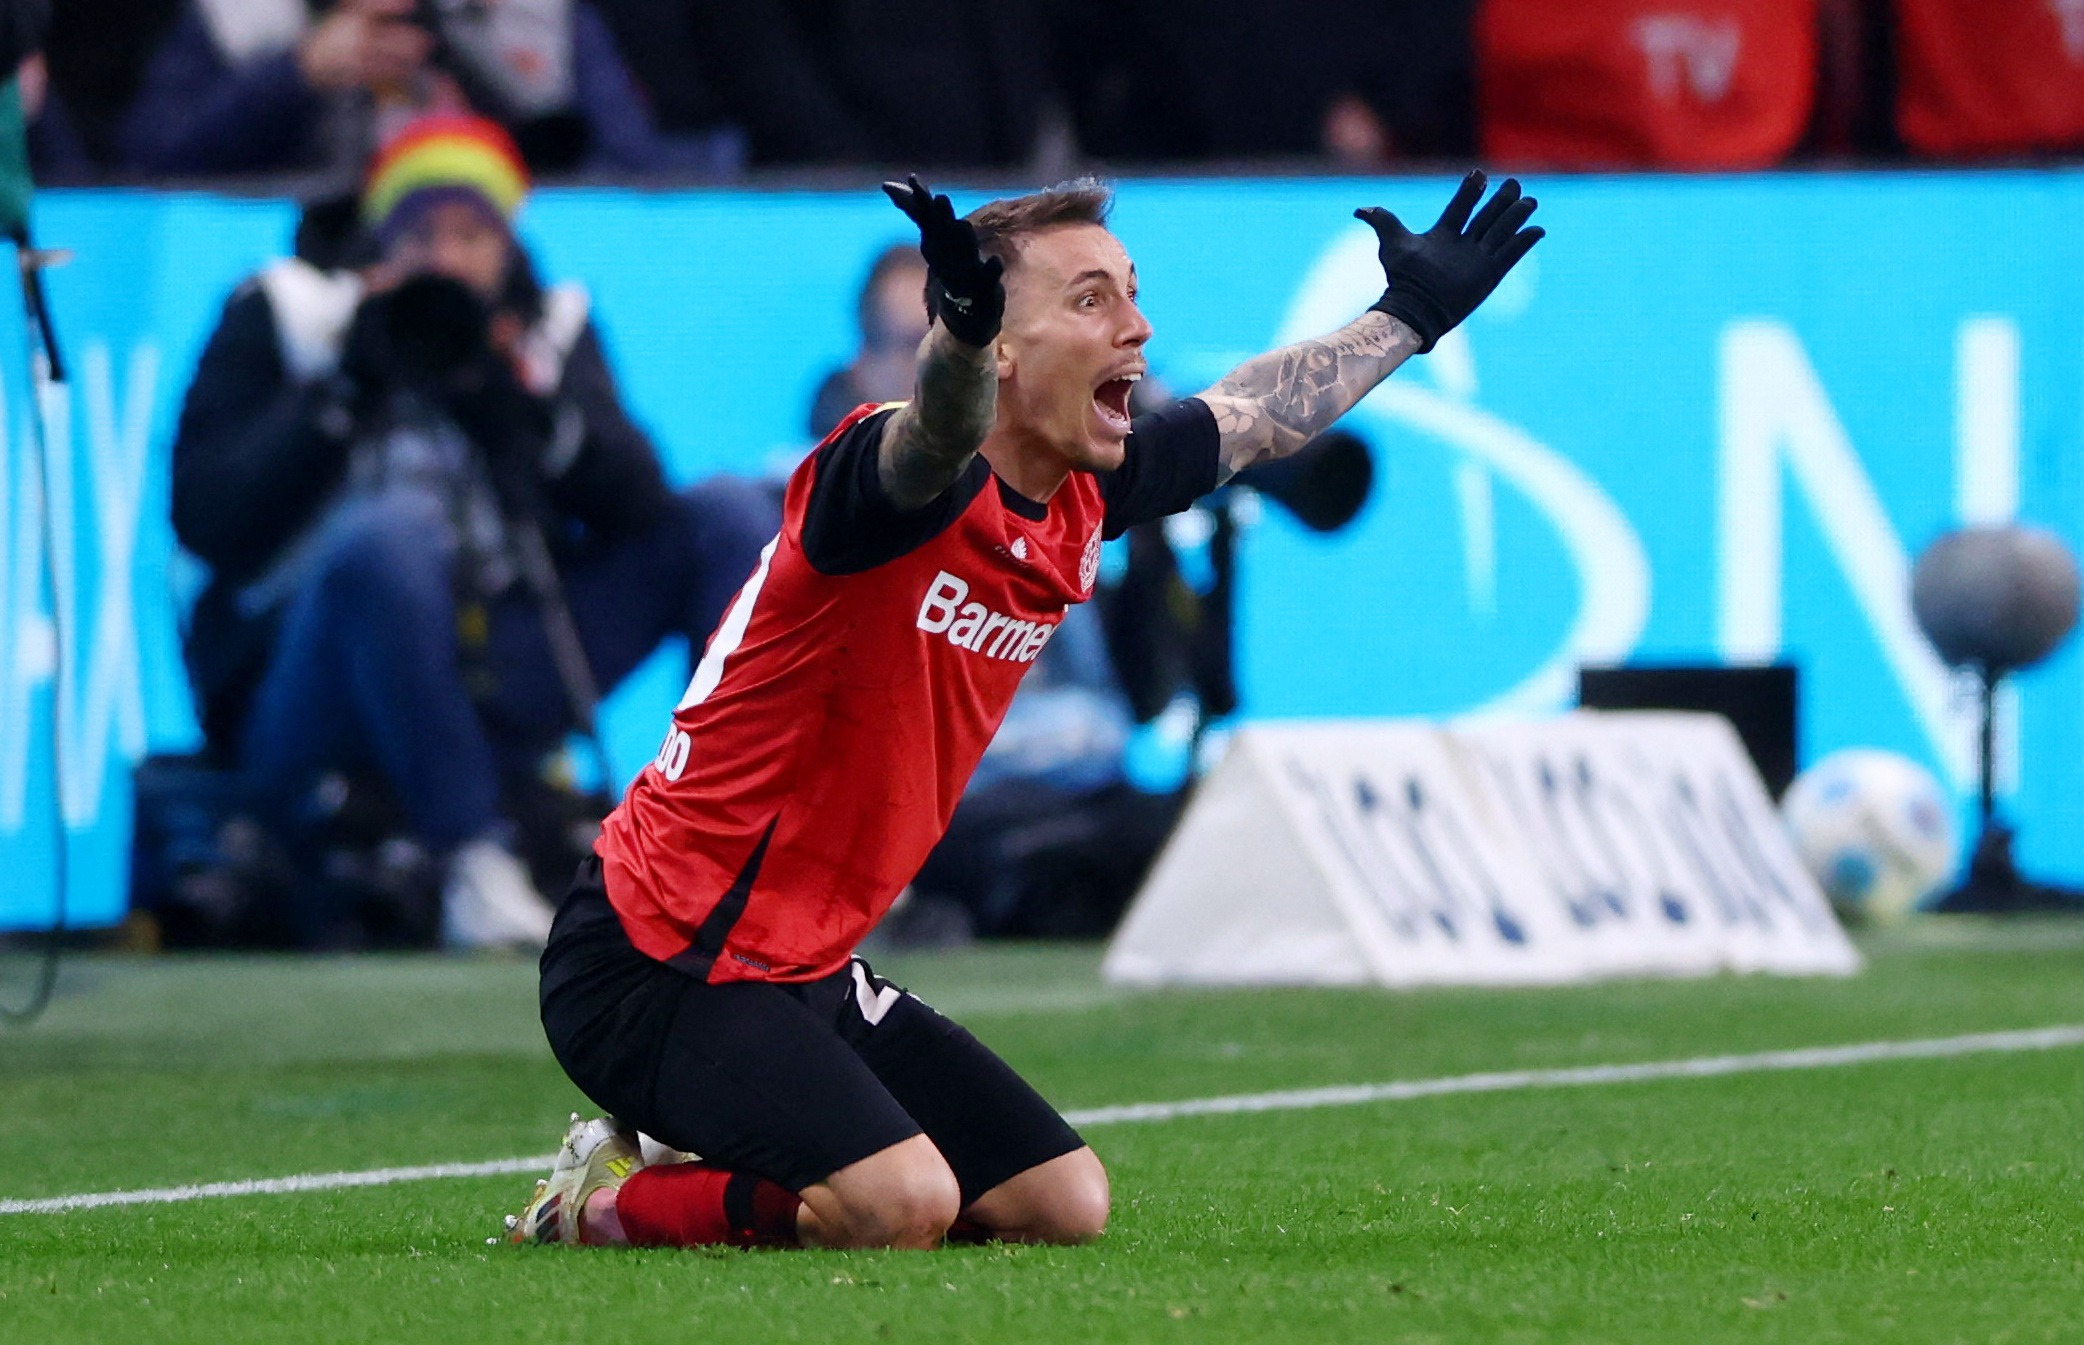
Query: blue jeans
{"points": [[367, 671]]}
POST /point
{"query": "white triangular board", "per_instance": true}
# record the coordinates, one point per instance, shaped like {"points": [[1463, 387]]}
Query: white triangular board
{"points": [[1341, 853], [1234, 899], [1659, 839], [1598, 865], [1583, 847], [1430, 880], [1729, 843]]}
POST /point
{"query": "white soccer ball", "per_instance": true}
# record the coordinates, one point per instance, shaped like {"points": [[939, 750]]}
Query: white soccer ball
{"points": [[1876, 830]]}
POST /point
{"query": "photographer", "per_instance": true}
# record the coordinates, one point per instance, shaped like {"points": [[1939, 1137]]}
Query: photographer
{"points": [[368, 462]]}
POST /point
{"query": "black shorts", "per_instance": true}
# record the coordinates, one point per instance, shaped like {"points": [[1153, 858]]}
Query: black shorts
{"points": [[789, 1081]]}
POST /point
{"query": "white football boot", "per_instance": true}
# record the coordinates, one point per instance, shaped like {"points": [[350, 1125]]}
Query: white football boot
{"points": [[595, 1153]]}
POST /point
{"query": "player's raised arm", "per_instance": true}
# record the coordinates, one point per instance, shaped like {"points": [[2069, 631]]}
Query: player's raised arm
{"points": [[928, 443], [1271, 406]]}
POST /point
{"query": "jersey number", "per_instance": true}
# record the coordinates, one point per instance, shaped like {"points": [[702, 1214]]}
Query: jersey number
{"points": [[672, 754]]}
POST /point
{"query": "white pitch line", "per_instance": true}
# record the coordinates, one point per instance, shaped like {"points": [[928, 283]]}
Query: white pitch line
{"points": [[277, 1186], [1815, 1057], [1301, 1099]]}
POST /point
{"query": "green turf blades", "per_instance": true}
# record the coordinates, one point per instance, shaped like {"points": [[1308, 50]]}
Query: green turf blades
{"points": [[1929, 1200]]}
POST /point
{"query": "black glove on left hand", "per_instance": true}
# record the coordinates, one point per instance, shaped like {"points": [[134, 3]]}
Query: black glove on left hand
{"points": [[963, 286], [1437, 278]]}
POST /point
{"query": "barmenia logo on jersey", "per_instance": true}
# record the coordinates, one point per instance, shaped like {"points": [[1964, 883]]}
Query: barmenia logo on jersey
{"points": [[973, 626]]}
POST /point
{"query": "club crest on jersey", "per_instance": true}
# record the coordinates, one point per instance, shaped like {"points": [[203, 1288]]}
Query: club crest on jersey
{"points": [[1089, 563], [975, 627]]}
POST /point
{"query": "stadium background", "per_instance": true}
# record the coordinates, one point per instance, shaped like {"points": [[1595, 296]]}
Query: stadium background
{"points": [[1713, 419]]}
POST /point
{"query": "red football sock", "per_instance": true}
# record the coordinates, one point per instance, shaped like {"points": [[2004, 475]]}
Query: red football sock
{"points": [[695, 1205], [966, 1229]]}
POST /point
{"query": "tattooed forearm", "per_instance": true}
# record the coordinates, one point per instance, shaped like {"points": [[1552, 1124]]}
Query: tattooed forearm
{"points": [[1270, 406], [929, 442]]}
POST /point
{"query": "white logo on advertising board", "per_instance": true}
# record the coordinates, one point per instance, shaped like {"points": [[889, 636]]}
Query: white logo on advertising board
{"points": [[100, 696]]}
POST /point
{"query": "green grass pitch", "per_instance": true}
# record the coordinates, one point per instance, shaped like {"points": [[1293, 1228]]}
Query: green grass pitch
{"points": [[1915, 1200]]}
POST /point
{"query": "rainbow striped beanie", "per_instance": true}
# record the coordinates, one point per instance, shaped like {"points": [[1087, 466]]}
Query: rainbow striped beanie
{"points": [[447, 156]]}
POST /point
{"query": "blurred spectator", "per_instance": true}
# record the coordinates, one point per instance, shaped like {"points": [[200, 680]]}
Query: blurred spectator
{"points": [[1990, 77], [1362, 81], [24, 24], [97, 52], [919, 83], [54, 153], [56, 156], [656, 38], [1645, 83], [379, 467], [266, 85], [891, 313]]}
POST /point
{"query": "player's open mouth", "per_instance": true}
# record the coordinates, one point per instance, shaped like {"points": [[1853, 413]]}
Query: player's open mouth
{"points": [[1111, 399]]}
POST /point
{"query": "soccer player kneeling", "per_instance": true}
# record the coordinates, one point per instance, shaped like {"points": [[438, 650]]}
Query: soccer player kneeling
{"points": [[700, 983]]}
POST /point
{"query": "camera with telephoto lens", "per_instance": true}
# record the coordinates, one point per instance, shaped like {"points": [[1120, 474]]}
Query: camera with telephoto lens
{"points": [[427, 333]]}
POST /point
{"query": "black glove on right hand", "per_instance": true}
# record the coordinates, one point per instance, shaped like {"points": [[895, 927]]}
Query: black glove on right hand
{"points": [[1437, 278], [964, 288]]}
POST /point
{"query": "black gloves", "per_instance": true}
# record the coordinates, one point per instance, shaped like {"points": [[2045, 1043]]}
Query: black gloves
{"points": [[963, 286], [1437, 278]]}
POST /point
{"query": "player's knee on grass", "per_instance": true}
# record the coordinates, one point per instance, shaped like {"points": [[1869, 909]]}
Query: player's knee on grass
{"points": [[904, 1196], [1065, 1200]]}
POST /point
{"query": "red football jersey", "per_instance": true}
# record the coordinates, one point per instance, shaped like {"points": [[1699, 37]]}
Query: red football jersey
{"points": [[842, 705]]}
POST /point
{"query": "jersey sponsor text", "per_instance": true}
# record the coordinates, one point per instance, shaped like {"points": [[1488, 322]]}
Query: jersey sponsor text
{"points": [[975, 627]]}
